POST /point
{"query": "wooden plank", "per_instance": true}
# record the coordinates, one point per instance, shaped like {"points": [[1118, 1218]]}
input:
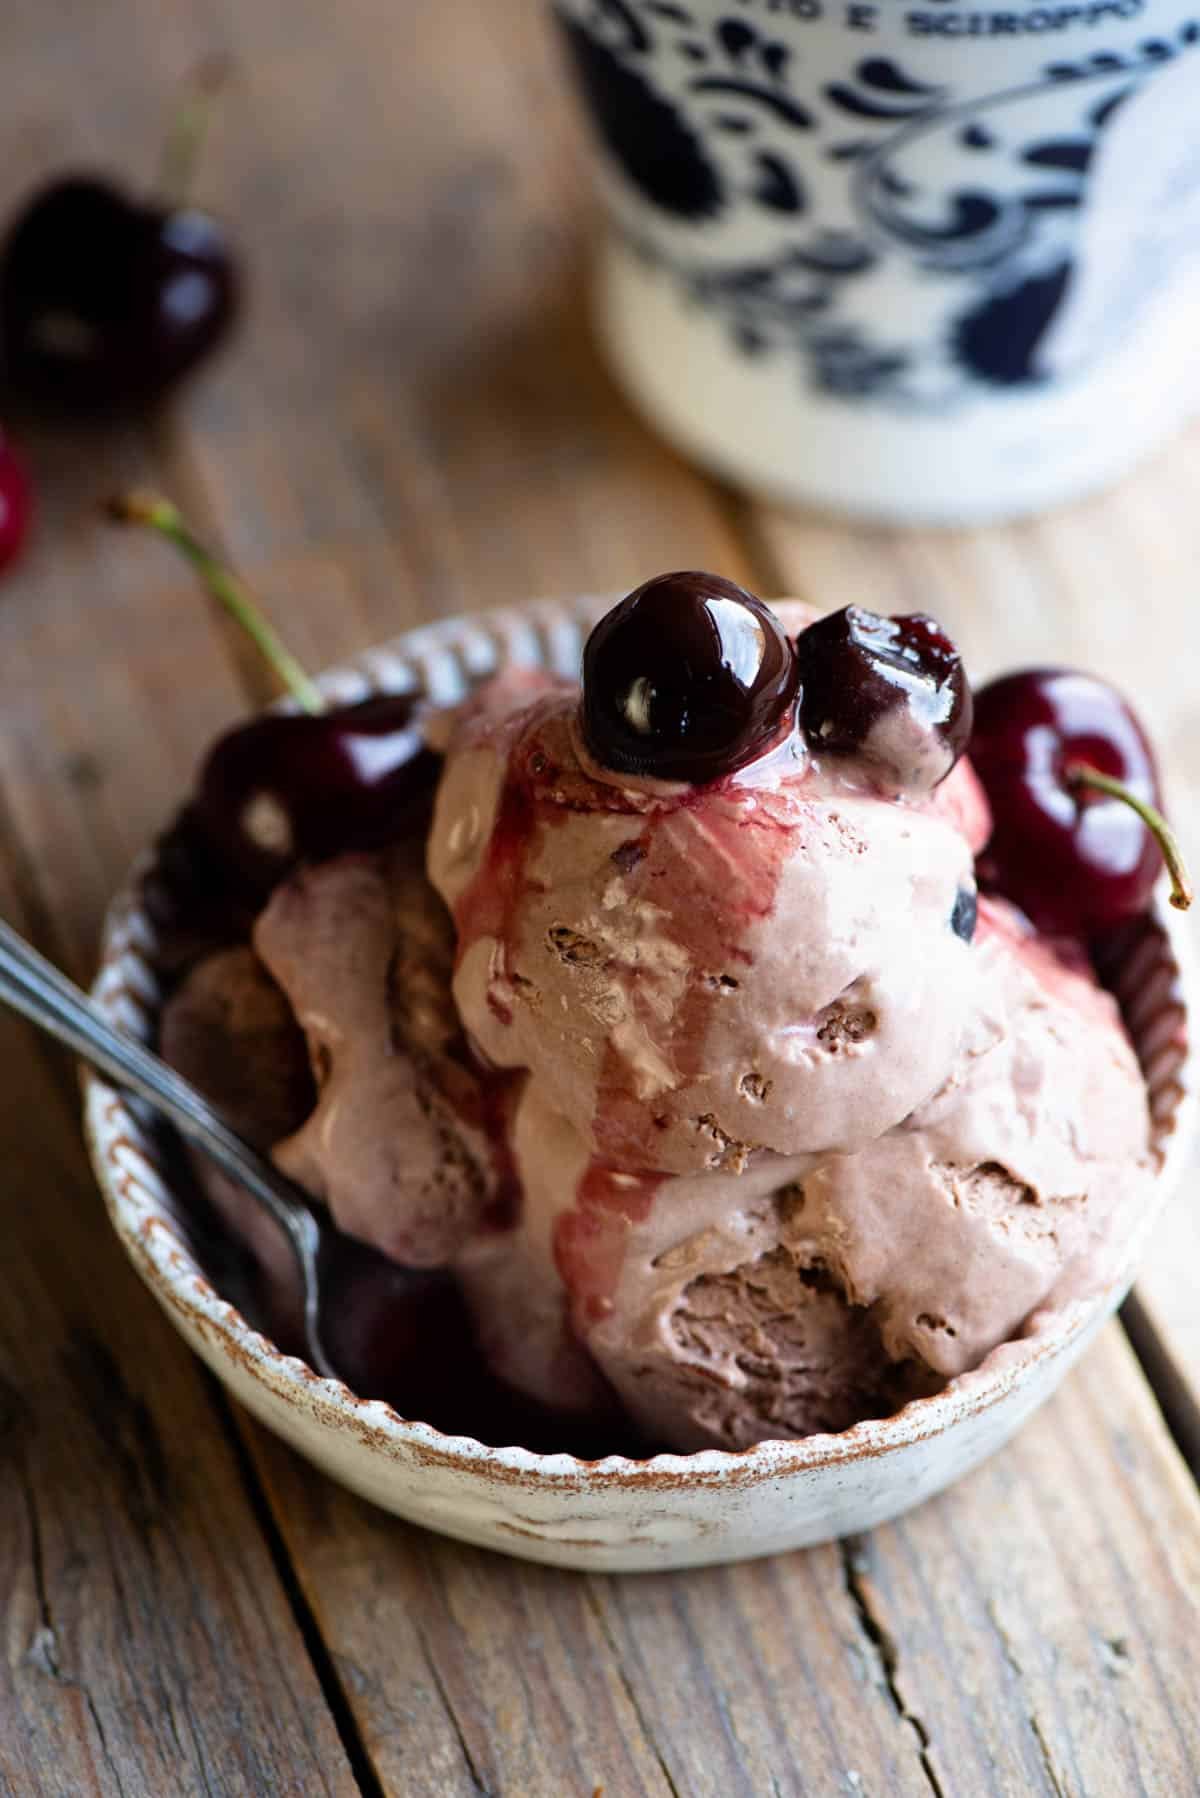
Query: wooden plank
{"points": [[1031, 1629], [416, 351], [1030, 1632], [763, 1678], [1109, 585], [148, 1646], [724, 1683], [1040, 1620]]}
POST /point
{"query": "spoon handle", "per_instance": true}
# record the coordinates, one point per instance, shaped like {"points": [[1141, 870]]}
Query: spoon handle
{"points": [[32, 986]]}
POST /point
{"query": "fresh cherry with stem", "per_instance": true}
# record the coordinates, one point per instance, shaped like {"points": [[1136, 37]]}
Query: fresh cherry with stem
{"points": [[1078, 838], [106, 302], [299, 786]]}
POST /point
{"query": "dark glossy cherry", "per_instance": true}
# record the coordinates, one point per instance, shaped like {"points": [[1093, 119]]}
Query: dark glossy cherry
{"points": [[297, 787], [1075, 861], [688, 678], [106, 303], [890, 692], [16, 505], [195, 900]]}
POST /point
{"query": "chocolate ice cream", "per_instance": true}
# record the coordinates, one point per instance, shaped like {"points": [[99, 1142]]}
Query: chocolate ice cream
{"points": [[728, 1096]]}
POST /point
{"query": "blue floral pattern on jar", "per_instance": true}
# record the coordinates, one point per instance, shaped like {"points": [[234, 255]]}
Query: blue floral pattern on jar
{"points": [[785, 201]]}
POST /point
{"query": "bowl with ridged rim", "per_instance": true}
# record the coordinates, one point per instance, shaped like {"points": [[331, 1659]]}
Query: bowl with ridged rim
{"points": [[614, 1514]]}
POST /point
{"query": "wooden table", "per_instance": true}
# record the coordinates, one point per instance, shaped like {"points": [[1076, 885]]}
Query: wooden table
{"points": [[414, 421]]}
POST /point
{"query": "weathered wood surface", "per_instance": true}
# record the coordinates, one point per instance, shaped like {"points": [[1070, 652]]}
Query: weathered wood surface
{"points": [[414, 421], [1030, 1632], [148, 1643]]}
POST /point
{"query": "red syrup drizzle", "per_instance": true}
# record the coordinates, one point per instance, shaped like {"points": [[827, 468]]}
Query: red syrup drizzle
{"points": [[726, 871], [713, 861], [488, 909], [590, 1240], [489, 905]]}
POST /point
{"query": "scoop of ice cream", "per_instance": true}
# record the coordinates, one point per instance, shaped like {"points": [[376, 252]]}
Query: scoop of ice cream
{"points": [[770, 1347], [803, 1294], [1016, 1186], [687, 1297], [1009, 1191], [229, 1030], [395, 1144], [773, 962]]}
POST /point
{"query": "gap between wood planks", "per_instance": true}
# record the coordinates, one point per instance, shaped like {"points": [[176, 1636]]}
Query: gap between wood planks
{"points": [[323, 1665], [1174, 1392], [887, 1651]]}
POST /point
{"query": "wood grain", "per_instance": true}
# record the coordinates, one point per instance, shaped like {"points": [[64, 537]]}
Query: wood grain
{"points": [[1039, 1618], [467, 1672], [722, 1684], [1028, 1633], [148, 1644], [414, 421]]}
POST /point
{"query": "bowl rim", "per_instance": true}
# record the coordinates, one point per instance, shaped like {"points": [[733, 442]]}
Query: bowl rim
{"points": [[137, 1195]]}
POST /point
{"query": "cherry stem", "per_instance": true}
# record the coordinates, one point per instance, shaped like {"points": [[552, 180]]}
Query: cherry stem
{"points": [[1081, 774], [160, 515], [189, 129]]}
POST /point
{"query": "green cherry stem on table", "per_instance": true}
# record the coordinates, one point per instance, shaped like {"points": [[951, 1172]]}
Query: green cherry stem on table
{"points": [[188, 130], [1083, 775], [159, 514]]}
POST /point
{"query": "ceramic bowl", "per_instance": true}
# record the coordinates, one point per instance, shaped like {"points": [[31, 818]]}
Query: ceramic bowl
{"points": [[672, 1510]]}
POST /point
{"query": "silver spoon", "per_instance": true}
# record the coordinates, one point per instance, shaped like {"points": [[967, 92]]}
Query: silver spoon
{"points": [[32, 986]]}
